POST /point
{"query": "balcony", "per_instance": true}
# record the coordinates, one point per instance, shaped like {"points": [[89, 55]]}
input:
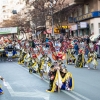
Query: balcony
{"points": [[76, 2]]}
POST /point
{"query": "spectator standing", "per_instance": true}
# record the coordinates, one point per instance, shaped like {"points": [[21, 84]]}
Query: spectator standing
{"points": [[76, 48]]}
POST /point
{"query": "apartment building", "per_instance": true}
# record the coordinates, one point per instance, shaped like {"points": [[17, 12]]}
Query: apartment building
{"points": [[86, 19], [80, 17], [7, 6]]}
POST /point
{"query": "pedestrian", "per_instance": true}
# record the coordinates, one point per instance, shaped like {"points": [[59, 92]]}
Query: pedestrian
{"points": [[76, 48], [87, 49]]}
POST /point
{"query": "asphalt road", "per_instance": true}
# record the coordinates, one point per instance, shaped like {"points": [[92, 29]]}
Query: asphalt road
{"points": [[24, 86]]}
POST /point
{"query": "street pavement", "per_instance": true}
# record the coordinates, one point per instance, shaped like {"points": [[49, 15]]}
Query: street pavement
{"points": [[21, 85]]}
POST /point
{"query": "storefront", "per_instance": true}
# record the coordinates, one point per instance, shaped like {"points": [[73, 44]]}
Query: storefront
{"points": [[74, 31], [88, 23], [61, 30], [83, 29]]}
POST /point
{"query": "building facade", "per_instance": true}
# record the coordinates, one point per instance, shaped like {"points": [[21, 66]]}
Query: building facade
{"points": [[83, 17], [87, 19], [7, 6]]}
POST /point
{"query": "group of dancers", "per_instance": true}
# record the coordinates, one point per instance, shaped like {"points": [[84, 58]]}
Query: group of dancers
{"points": [[38, 61], [56, 72]]}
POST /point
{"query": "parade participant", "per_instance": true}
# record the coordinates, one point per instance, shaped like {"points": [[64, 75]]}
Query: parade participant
{"points": [[30, 66], [52, 74], [33, 44], [35, 63], [45, 64], [70, 55], [57, 45], [95, 63], [47, 42], [69, 82], [10, 51], [18, 47], [27, 58], [64, 45], [41, 66], [1, 91], [59, 57], [22, 55], [62, 80], [80, 62], [76, 48], [92, 58], [31, 62]]}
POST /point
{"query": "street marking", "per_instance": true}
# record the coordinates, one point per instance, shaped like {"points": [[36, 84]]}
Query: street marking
{"points": [[35, 94], [80, 95], [76, 98]]}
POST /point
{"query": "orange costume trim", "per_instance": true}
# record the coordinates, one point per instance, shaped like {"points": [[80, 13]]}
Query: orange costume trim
{"points": [[58, 56]]}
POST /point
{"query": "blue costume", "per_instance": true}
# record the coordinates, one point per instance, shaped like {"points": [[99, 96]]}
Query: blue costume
{"points": [[1, 90]]}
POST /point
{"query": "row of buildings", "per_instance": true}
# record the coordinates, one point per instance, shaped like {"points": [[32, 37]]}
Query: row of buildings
{"points": [[8, 6], [82, 17], [76, 17]]}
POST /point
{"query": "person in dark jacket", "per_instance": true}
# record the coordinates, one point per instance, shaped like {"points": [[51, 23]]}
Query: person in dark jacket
{"points": [[76, 48], [33, 44]]}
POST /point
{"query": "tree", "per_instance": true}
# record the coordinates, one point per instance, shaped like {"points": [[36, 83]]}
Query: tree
{"points": [[17, 21]]}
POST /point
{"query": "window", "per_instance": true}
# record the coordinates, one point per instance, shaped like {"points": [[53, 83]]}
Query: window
{"points": [[79, 11], [92, 28], [86, 9], [75, 14], [99, 27], [4, 11], [71, 15]]}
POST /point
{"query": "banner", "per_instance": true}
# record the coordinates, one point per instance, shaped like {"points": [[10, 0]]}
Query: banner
{"points": [[8, 30]]}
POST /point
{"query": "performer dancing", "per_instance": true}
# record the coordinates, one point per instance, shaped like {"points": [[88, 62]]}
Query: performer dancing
{"points": [[22, 55], [57, 45], [92, 58], [45, 64], [70, 55], [80, 62]]}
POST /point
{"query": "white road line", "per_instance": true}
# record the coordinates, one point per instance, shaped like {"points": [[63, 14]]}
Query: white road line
{"points": [[80, 95], [76, 98], [9, 88], [35, 94]]}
